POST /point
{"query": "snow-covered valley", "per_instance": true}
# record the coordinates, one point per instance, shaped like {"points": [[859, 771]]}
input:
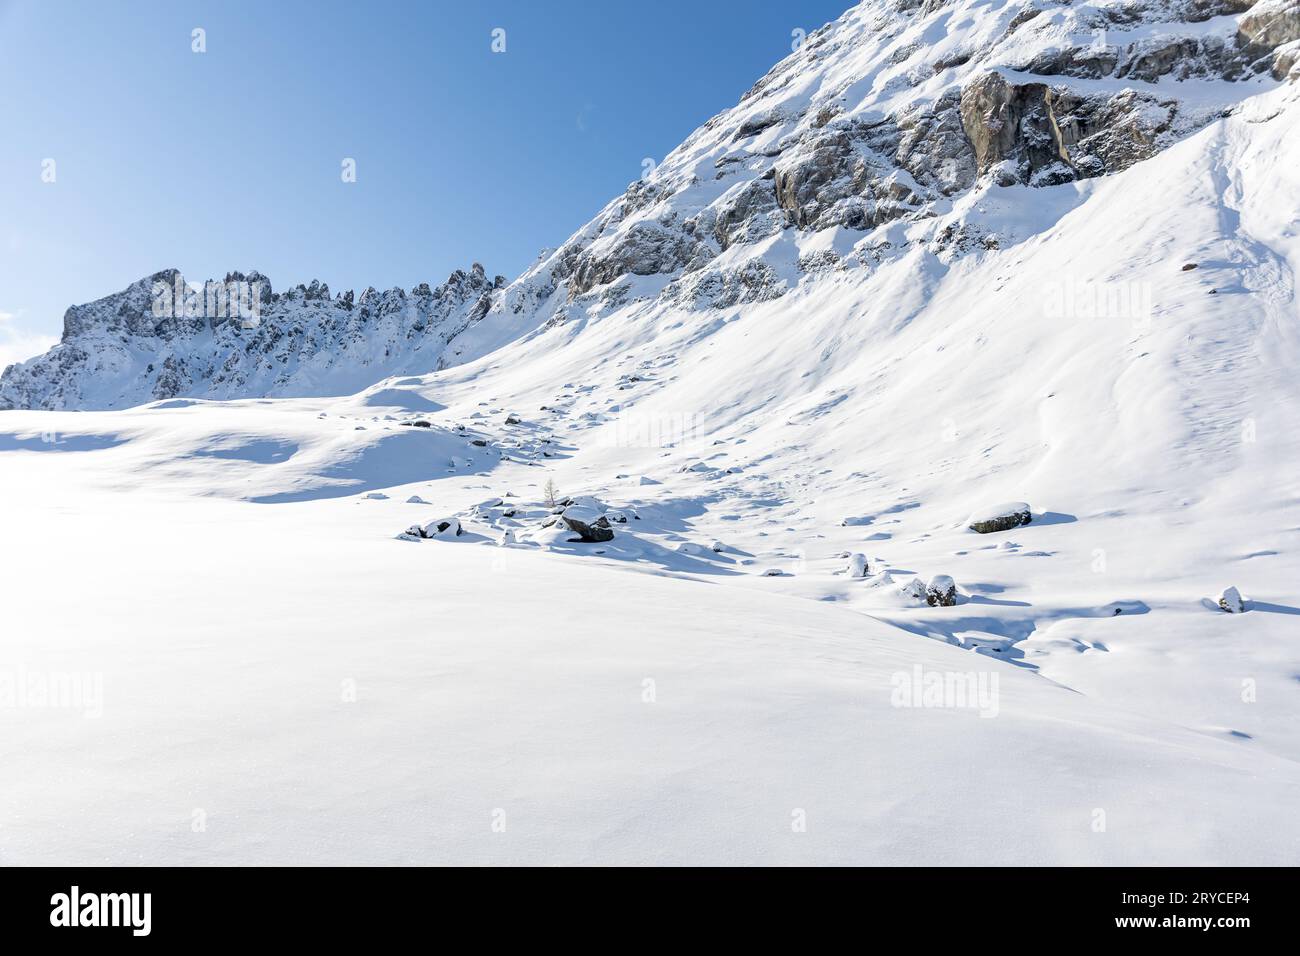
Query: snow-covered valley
{"points": [[775, 419]]}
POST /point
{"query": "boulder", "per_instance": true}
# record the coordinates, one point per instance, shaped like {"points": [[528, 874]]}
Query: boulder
{"points": [[1001, 517], [587, 523], [857, 566], [1230, 600], [443, 528], [941, 591], [913, 590]]}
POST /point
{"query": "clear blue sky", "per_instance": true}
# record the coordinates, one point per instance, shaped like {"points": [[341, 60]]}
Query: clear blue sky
{"points": [[230, 159]]}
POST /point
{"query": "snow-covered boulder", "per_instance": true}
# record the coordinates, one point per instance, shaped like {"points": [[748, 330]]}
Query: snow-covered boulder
{"points": [[941, 591], [857, 567], [443, 528], [1230, 600], [1001, 517], [588, 523], [914, 591], [507, 538]]}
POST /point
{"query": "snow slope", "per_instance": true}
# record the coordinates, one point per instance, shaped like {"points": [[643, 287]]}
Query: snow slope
{"points": [[806, 393], [509, 688]]}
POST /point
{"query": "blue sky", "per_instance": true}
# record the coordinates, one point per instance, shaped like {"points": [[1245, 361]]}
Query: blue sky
{"points": [[231, 158]]}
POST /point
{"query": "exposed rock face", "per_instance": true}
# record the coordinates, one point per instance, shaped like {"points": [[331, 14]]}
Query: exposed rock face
{"points": [[1001, 518], [1270, 35], [1015, 125]]}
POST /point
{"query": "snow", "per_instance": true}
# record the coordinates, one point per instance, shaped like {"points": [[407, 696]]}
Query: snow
{"points": [[227, 677]]}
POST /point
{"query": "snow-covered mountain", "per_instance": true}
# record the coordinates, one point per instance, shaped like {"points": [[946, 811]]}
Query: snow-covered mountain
{"points": [[945, 257], [899, 113], [149, 342]]}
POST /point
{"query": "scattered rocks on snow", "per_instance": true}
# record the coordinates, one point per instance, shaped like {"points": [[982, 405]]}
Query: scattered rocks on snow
{"points": [[1230, 600], [514, 420], [941, 591], [1002, 517], [717, 547]]}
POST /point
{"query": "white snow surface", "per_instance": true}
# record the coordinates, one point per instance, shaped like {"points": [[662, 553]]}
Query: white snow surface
{"points": [[276, 663]]}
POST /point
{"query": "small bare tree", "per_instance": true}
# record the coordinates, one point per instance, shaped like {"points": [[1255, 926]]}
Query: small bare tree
{"points": [[551, 492]]}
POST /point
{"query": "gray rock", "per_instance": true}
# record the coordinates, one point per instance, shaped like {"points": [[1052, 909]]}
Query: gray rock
{"points": [[587, 523], [941, 591], [1015, 124], [1002, 517]]}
